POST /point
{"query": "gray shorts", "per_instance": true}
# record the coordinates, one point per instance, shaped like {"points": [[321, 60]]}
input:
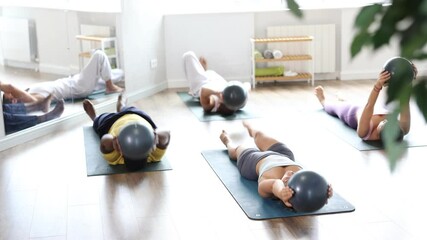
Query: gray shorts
{"points": [[248, 159]]}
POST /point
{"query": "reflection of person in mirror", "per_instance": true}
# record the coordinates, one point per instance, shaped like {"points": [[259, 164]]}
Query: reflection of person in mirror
{"points": [[80, 85], [16, 116]]}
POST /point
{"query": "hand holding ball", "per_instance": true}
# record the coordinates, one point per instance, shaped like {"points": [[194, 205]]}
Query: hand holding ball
{"points": [[400, 69], [310, 191]]}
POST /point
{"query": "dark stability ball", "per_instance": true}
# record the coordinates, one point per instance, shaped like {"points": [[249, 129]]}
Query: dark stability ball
{"points": [[310, 191], [400, 69], [235, 95], [136, 141]]}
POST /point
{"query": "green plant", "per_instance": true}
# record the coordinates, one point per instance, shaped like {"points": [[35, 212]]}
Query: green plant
{"points": [[377, 24]]}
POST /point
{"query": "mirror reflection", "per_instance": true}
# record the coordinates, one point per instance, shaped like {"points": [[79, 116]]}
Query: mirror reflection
{"points": [[53, 59]]}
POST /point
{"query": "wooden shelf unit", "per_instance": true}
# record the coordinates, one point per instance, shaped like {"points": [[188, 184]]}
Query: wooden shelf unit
{"points": [[308, 56], [102, 43]]}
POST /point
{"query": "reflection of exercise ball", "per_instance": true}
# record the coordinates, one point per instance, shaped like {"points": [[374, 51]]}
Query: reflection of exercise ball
{"points": [[235, 95], [310, 191], [399, 68], [136, 141]]}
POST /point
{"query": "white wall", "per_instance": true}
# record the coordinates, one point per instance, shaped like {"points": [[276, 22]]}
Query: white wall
{"points": [[223, 39], [56, 30], [143, 41], [367, 64]]}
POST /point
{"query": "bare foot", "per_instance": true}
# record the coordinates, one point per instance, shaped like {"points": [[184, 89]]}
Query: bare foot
{"points": [[89, 109], [319, 92], [225, 139], [204, 63], [248, 126], [121, 102], [55, 113], [110, 87], [45, 103]]}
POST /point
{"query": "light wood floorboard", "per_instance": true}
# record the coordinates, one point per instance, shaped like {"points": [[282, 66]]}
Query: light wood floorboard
{"points": [[45, 193]]}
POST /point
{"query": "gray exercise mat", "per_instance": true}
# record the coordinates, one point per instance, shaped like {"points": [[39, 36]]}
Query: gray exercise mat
{"points": [[194, 105], [415, 138], [96, 165], [245, 192]]}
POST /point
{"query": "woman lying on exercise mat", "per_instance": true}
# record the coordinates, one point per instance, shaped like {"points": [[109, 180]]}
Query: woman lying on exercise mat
{"points": [[216, 94], [368, 121], [271, 163]]}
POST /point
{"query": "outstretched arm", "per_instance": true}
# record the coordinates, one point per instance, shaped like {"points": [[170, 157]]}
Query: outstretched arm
{"points": [[368, 111], [405, 119], [405, 113]]}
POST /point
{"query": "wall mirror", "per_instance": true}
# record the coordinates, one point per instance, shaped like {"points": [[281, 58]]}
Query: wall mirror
{"points": [[51, 42]]}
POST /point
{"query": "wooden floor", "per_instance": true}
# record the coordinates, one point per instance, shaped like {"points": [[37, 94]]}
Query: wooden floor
{"points": [[45, 193]]}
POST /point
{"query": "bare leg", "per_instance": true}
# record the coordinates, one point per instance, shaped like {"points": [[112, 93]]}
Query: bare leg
{"points": [[204, 63], [55, 113], [121, 102], [89, 109], [231, 147], [320, 94], [40, 105], [110, 87], [262, 141]]}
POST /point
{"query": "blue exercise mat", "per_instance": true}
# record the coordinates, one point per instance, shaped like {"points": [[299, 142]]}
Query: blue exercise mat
{"points": [[194, 105], [415, 138], [245, 192], [96, 165]]}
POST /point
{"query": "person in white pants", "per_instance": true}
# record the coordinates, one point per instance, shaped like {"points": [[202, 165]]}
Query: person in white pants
{"points": [[78, 86], [207, 85]]}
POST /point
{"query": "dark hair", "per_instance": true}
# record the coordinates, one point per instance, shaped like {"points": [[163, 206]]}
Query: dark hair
{"points": [[6, 100], [133, 165]]}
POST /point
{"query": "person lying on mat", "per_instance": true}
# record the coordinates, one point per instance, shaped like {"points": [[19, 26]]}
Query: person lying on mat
{"points": [[77, 86], [128, 136], [209, 87], [368, 121], [16, 116], [271, 163]]}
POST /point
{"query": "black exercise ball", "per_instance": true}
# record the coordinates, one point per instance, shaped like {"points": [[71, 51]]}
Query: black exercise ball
{"points": [[136, 141], [400, 69], [235, 95], [310, 191]]}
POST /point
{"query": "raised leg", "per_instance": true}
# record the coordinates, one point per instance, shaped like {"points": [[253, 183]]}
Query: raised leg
{"points": [[121, 102], [262, 140], [89, 109], [55, 113], [320, 94], [40, 105], [204, 63]]}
